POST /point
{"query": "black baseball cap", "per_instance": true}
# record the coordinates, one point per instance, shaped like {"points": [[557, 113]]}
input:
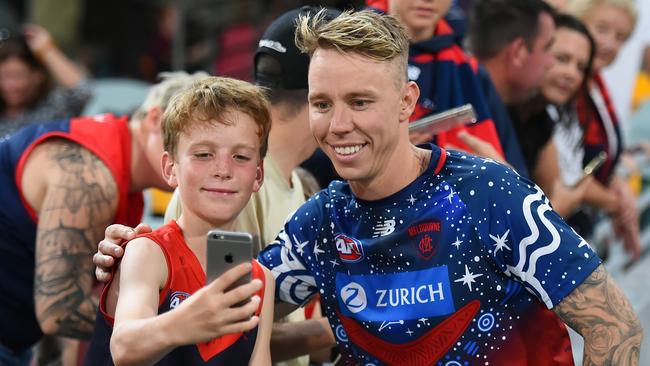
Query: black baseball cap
{"points": [[278, 41]]}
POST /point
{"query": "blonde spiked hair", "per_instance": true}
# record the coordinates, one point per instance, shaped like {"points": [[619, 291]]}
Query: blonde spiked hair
{"points": [[582, 8], [379, 37], [207, 101]]}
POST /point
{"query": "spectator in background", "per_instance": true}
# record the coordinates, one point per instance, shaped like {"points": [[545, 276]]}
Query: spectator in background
{"points": [[27, 94], [554, 165], [512, 38], [610, 22]]}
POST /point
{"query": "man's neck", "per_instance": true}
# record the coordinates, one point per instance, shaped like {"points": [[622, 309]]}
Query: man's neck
{"points": [[406, 165]]}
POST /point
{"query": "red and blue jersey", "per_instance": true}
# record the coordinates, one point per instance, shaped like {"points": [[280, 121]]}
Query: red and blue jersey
{"points": [[460, 267], [186, 276], [105, 136]]}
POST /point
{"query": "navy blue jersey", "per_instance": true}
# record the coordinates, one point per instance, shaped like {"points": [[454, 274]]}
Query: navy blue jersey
{"points": [[460, 266], [19, 328]]}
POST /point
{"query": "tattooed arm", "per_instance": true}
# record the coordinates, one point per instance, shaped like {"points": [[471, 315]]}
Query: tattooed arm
{"points": [[79, 200], [600, 312]]}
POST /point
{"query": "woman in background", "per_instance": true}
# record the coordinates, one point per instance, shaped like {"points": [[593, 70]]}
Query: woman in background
{"points": [[611, 23], [27, 63]]}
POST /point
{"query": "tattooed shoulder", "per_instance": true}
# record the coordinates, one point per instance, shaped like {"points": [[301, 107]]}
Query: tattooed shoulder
{"points": [[80, 202]]}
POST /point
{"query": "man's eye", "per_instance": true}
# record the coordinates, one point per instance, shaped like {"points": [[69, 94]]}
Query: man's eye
{"points": [[321, 105]]}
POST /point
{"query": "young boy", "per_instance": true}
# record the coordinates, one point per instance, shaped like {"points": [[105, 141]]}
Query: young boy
{"points": [[215, 137]]}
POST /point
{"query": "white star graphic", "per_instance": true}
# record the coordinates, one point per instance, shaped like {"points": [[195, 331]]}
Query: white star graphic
{"points": [[317, 250], [500, 241], [468, 278], [300, 247], [457, 243], [409, 332], [411, 199], [451, 195], [335, 263]]}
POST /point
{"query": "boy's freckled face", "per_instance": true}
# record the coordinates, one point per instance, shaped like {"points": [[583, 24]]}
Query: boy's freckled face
{"points": [[218, 167]]}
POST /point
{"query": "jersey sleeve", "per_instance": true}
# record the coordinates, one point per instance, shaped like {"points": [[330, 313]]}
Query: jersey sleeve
{"points": [[289, 257], [524, 237]]}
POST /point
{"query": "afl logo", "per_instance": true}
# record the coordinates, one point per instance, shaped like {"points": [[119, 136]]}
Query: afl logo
{"points": [[354, 297], [177, 298], [350, 250]]}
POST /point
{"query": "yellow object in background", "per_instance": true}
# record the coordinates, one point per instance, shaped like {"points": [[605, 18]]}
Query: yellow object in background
{"points": [[159, 201], [641, 92]]}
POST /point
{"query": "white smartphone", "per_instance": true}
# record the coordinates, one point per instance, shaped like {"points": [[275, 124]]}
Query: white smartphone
{"points": [[227, 249], [440, 122]]}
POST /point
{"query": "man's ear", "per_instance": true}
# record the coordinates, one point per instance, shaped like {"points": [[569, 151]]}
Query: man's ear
{"points": [[153, 120], [169, 169], [517, 52], [259, 176], [410, 95]]}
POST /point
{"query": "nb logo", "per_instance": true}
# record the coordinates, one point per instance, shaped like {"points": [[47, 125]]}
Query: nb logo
{"points": [[354, 297], [384, 228]]}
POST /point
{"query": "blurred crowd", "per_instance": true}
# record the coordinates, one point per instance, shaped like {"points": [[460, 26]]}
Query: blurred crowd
{"points": [[532, 73]]}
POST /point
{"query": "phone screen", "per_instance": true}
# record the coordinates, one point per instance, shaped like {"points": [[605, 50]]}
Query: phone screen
{"points": [[444, 121]]}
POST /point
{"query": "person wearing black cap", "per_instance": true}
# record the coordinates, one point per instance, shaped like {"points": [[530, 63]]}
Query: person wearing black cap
{"points": [[281, 68]]}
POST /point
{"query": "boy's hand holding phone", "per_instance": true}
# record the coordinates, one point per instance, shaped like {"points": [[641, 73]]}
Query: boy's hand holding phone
{"points": [[212, 312]]}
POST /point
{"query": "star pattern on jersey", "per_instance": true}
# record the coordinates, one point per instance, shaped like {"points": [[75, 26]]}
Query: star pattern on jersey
{"points": [[411, 199], [500, 241], [300, 246], [451, 195], [457, 243], [317, 250], [468, 278]]}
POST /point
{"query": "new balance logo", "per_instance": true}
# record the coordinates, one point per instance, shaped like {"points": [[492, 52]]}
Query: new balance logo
{"points": [[384, 228]]}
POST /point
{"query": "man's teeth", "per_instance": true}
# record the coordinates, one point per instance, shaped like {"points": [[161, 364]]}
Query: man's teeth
{"points": [[347, 150]]}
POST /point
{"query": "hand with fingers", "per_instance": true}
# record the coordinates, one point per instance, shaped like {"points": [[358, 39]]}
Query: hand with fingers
{"points": [[38, 39], [211, 312], [110, 248]]}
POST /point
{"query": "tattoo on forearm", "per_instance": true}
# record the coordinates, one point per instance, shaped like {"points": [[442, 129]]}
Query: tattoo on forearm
{"points": [[72, 219], [600, 312]]}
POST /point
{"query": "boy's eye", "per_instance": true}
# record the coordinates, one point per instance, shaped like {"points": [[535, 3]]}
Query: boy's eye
{"points": [[202, 155], [242, 157]]}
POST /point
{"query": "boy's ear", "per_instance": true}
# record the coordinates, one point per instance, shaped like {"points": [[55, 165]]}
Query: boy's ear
{"points": [[259, 176], [169, 170], [153, 120]]}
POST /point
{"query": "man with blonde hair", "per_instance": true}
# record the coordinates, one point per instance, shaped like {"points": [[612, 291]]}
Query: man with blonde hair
{"points": [[423, 254], [63, 182]]}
